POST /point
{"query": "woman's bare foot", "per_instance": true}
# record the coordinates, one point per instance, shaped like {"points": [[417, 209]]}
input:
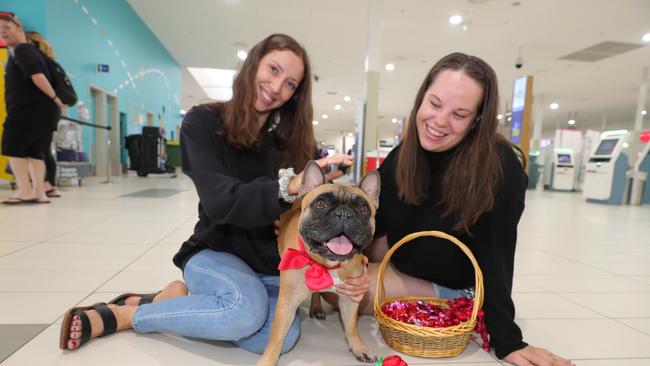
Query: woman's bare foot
{"points": [[123, 314], [173, 289]]}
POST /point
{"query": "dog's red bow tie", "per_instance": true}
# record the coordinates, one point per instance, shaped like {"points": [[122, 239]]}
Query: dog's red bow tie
{"points": [[316, 277]]}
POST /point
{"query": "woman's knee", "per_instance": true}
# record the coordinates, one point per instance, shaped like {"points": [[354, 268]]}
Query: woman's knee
{"points": [[252, 316], [238, 291]]}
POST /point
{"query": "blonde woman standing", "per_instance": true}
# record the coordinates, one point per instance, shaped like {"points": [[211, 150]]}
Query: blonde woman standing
{"points": [[32, 109]]}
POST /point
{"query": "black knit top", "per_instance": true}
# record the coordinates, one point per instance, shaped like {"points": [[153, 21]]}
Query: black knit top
{"points": [[238, 193], [492, 243]]}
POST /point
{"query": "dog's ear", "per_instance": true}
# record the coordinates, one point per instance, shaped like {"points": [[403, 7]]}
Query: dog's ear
{"points": [[312, 177], [371, 184]]}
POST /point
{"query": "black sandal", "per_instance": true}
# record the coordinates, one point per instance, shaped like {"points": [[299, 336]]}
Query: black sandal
{"points": [[110, 324], [144, 298]]}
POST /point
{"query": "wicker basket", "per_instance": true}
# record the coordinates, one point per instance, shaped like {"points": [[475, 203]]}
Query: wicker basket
{"points": [[425, 341]]}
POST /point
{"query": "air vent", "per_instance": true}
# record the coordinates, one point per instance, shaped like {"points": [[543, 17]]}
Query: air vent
{"points": [[601, 51]]}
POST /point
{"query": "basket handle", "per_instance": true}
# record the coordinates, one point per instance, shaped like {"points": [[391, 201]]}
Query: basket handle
{"points": [[380, 291]]}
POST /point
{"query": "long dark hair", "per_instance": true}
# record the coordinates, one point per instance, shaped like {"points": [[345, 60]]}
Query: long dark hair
{"points": [[471, 177], [295, 133]]}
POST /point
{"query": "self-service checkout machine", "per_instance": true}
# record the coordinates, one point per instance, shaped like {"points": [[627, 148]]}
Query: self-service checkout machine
{"points": [[563, 170], [606, 169]]}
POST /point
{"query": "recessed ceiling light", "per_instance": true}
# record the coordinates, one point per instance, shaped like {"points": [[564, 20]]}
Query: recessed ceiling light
{"points": [[644, 112], [337, 107], [241, 54], [350, 134], [572, 122], [347, 98], [314, 122], [646, 37], [626, 145], [394, 120], [499, 117], [217, 83], [554, 106], [390, 67], [455, 19], [324, 116]]}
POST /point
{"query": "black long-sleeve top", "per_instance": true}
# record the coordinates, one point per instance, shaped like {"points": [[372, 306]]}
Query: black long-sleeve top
{"points": [[238, 193], [441, 262]]}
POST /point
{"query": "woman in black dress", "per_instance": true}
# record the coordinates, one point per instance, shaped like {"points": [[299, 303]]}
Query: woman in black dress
{"points": [[32, 109]]}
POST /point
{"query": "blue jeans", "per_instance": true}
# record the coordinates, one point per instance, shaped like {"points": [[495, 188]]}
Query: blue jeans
{"points": [[228, 301], [451, 293]]}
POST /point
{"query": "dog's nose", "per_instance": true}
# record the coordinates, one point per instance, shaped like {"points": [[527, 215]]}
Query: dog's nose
{"points": [[343, 213]]}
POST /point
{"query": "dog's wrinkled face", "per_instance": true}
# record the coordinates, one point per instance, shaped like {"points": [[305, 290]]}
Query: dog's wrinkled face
{"points": [[337, 221]]}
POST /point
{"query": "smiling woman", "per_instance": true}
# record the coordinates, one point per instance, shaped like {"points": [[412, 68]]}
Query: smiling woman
{"points": [[454, 173], [274, 79], [237, 154]]}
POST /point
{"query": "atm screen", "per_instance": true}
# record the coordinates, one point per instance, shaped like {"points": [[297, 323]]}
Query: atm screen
{"points": [[563, 159], [606, 147]]}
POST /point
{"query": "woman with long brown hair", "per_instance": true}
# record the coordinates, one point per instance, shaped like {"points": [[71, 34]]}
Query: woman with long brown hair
{"points": [[240, 155], [455, 174]]}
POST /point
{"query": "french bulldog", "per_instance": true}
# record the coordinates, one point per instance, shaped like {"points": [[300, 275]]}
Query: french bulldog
{"points": [[328, 228]]}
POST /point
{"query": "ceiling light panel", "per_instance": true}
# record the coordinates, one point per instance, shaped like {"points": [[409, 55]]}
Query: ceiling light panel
{"points": [[217, 83]]}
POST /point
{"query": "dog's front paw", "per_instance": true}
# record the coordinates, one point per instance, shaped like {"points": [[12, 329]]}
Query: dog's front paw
{"points": [[365, 356], [265, 361], [317, 313], [316, 307]]}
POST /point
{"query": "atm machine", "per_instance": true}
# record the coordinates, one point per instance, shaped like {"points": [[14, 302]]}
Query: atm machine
{"points": [[563, 174], [606, 169]]}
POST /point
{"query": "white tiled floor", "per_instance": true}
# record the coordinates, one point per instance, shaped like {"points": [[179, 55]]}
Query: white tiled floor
{"points": [[582, 282]]}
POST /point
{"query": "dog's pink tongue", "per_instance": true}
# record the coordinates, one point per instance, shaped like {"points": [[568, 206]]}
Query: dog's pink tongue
{"points": [[339, 245]]}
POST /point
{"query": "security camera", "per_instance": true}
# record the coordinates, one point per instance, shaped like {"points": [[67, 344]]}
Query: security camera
{"points": [[519, 63]]}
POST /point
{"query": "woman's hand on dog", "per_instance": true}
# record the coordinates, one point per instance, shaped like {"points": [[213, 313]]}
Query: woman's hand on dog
{"points": [[356, 288], [324, 163]]}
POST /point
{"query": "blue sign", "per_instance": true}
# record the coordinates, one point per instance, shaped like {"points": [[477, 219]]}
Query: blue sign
{"points": [[102, 68], [518, 104], [515, 129]]}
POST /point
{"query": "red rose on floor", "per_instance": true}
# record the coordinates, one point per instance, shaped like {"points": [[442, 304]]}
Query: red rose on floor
{"points": [[394, 361]]}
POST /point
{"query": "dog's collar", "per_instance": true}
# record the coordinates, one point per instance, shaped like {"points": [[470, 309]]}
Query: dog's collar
{"points": [[317, 276]]}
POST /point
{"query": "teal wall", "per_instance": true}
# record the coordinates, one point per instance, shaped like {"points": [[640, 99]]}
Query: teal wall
{"points": [[30, 12], [84, 33]]}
